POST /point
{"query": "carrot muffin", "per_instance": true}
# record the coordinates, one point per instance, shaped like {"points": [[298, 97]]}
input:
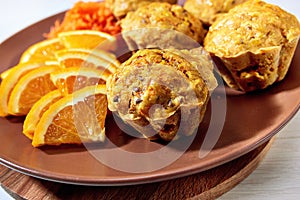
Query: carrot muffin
{"points": [[121, 7], [159, 93], [162, 25], [208, 10], [255, 43]]}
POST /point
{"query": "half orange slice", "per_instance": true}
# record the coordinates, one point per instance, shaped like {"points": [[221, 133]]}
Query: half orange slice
{"points": [[76, 118]]}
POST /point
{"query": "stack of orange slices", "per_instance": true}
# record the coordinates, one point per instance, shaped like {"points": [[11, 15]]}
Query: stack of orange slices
{"points": [[59, 85]]}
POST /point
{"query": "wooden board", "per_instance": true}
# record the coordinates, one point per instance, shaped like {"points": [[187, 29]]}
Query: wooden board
{"points": [[205, 185]]}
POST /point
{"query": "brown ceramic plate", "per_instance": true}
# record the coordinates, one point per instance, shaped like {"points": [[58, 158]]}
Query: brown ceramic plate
{"points": [[250, 120]]}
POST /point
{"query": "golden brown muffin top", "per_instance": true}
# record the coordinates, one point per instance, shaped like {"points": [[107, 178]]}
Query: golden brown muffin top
{"points": [[249, 27], [208, 10], [121, 7], [164, 16], [161, 58]]}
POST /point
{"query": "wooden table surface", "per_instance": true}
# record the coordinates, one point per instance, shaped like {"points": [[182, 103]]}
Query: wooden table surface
{"points": [[277, 177]]}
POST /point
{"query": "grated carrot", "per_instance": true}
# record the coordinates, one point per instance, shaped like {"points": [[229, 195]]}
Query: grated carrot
{"points": [[87, 16]]}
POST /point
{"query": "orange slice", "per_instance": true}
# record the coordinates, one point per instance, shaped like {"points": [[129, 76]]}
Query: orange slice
{"points": [[111, 58], [83, 58], [37, 110], [71, 79], [11, 79], [76, 118], [4, 74], [29, 89], [64, 79], [41, 51], [85, 39]]}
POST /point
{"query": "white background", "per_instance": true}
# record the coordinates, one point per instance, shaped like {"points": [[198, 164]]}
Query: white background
{"points": [[278, 176]]}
